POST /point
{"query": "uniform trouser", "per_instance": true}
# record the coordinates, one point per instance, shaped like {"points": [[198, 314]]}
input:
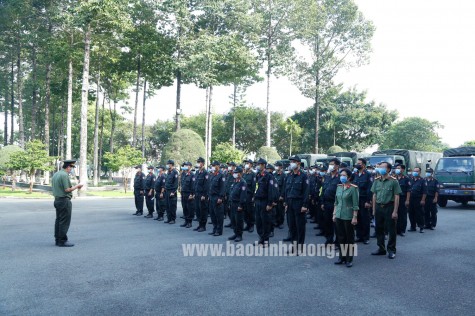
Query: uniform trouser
{"points": [[160, 205], [171, 205], [402, 215], [430, 212], [63, 208], [345, 233], [279, 213], [297, 221], [238, 218], [229, 207], [320, 217], [188, 207], [249, 216], [217, 214], [416, 212], [328, 225], [149, 202], [312, 208], [385, 223], [183, 203], [201, 209], [138, 200], [364, 221], [263, 220]]}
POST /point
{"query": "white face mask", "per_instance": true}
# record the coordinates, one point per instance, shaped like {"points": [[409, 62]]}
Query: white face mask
{"points": [[277, 168], [235, 175], [230, 168], [312, 171], [197, 166], [293, 166], [331, 168]]}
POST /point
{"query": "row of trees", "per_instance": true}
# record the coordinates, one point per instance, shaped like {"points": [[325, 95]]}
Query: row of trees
{"points": [[61, 61]]}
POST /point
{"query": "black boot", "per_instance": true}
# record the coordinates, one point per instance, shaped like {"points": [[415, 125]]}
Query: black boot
{"points": [[233, 237], [238, 238]]}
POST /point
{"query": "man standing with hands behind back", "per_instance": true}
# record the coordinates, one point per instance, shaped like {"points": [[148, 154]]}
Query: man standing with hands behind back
{"points": [[62, 191]]}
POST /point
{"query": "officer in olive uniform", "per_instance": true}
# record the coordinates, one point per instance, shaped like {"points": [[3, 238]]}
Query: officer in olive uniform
{"points": [[385, 209], [330, 186], [280, 209], [170, 192], [160, 200], [417, 201], [296, 200], [404, 198], [229, 183], [264, 200], [187, 193], [363, 179], [139, 190], [432, 186], [216, 200], [62, 192], [201, 194], [250, 177], [238, 198], [149, 196]]}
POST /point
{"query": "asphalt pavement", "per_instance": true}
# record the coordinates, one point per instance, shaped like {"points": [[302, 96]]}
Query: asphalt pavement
{"points": [[128, 265]]}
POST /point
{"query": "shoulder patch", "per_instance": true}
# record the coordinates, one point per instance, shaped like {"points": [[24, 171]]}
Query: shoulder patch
{"points": [[271, 182], [224, 179], [243, 188], [176, 176], [306, 181], [409, 182], [340, 185], [354, 185], [206, 177]]}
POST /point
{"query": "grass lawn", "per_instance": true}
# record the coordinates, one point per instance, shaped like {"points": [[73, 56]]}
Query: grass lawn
{"points": [[115, 193], [22, 193]]}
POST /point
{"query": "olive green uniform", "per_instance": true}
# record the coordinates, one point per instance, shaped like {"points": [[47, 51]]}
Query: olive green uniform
{"points": [[385, 190], [62, 204], [346, 202]]}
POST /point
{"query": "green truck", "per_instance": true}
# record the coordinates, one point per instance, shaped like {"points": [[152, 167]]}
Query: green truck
{"points": [[410, 158], [350, 158], [307, 160], [456, 175]]}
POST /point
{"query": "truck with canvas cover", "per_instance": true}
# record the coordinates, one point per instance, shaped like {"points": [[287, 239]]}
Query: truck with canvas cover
{"points": [[410, 158]]}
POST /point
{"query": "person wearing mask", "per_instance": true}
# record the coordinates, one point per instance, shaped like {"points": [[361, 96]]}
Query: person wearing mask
{"points": [[170, 192], [296, 201], [216, 199], [229, 183], [149, 196], [404, 198], [280, 210], [160, 201], [187, 193], [417, 201], [330, 187], [386, 193], [345, 216], [432, 186], [264, 202], [312, 204], [363, 180], [250, 177], [201, 194], [139, 190], [322, 175], [238, 198]]}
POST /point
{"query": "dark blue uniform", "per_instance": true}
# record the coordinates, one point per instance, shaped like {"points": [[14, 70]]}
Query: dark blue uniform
{"points": [[364, 182], [432, 186], [296, 197], [139, 191], [238, 198], [149, 186], [318, 197], [216, 207], [280, 209], [201, 197], [416, 210], [312, 204], [330, 186], [187, 192], [405, 184], [249, 215], [171, 187], [160, 203], [227, 206], [265, 197]]}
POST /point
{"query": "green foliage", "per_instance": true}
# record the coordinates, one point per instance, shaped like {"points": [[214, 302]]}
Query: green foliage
{"points": [[33, 158], [470, 143], [225, 152], [413, 133], [124, 158], [184, 145], [5, 154], [334, 149], [268, 153]]}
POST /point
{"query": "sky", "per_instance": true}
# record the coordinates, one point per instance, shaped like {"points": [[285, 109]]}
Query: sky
{"points": [[422, 64]]}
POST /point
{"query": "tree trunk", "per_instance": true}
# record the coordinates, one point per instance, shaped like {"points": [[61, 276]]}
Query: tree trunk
{"points": [[290, 146], [268, 125], [84, 101], [143, 117], [47, 114], [96, 130], [69, 116], [137, 88], [5, 113], [61, 134], [206, 126], [111, 140], [317, 100], [101, 137], [210, 123], [12, 108], [178, 100], [19, 83], [234, 114], [34, 95]]}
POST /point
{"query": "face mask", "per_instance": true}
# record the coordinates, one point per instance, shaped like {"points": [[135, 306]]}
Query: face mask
{"points": [[247, 166], [355, 170], [373, 171], [322, 173], [197, 166], [277, 168], [428, 174], [343, 179], [358, 167], [230, 168], [331, 168], [415, 174], [312, 171], [293, 166], [258, 168], [186, 168], [382, 171], [397, 171], [167, 167], [235, 175]]}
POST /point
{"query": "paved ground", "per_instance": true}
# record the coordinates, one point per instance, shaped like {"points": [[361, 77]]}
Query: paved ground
{"points": [[127, 265]]}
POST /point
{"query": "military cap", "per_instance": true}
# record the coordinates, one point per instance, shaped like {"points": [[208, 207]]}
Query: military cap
{"points": [[248, 160], [138, 167], [161, 167], [215, 163], [336, 161], [200, 159], [170, 162], [430, 170], [295, 158], [69, 163], [324, 167], [261, 161], [270, 166], [232, 163], [279, 164], [238, 170], [188, 164], [343, 165], [150, 167]]}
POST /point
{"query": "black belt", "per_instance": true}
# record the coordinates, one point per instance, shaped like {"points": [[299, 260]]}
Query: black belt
{"points": [[384, 205], [62, 197]]}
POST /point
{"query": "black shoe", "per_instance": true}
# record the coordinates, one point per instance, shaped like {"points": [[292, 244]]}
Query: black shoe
{"points": [[217, 234], [349, 264], [233, 237], [313, 221], [251, 229], [287, 239], [340, 261], [359, 240], [183, 217], [196, 229], [366, 242], [184, 224], [432, 228], [427, 227], [171, 222], [402, 234], [421, 230], [212, 233], [329, 242], [64, 244], [238, 239], [411, 229], [195, 220], [136, 213], [320, 234], [160, 219], [148, 216], [210, 223], [188, 225], [228, 225], [280, 227], [373, 236], [379, 253], [201, 229], [167, 221], [271, 234], [246, 228], [391, 255]]}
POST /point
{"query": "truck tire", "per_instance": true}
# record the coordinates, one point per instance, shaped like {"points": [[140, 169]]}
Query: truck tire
{"points": [[442, 202]]}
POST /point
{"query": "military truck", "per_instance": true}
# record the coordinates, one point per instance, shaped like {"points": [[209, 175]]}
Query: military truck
{"points": [[456, 175], [410, 158], [307, 160], [350, 158]]}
